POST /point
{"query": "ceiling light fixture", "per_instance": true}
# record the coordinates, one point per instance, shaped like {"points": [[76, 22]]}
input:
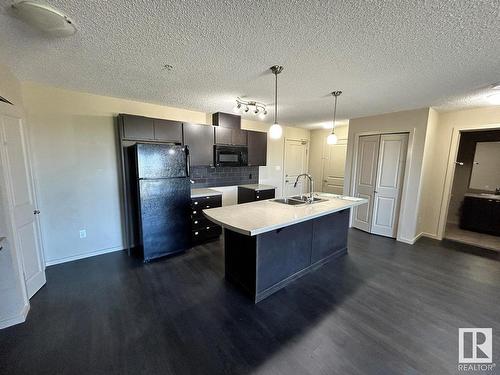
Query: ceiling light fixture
{"points": [[332, 138], [258, 108], [275, 131], [45, 18]]}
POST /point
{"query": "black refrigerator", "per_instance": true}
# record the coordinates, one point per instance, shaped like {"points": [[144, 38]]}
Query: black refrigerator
{"points": [[161, 185]]}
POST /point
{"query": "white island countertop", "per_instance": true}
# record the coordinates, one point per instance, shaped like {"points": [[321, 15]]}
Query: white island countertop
{"points": [[264, 216]]}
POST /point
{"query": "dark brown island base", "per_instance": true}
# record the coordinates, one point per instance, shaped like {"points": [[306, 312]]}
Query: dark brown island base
{"points": [[269, 244]]}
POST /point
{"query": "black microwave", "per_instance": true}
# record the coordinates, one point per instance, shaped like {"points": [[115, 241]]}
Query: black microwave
{"points": [[230, 156]]}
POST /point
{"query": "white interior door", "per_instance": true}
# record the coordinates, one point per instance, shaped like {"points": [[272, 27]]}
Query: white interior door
{"points": [[334, 167], [295, 163], [22, 201], [390, 173], [366, 178]]}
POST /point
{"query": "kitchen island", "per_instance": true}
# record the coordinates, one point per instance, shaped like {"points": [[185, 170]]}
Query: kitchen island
{"points": [[268, 244]]}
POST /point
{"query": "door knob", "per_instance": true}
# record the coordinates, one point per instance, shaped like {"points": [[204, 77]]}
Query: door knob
{"points": [[36, 212]]}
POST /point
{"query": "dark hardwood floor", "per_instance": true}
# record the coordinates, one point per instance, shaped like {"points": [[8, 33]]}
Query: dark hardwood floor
{"points": [[385, 308]]}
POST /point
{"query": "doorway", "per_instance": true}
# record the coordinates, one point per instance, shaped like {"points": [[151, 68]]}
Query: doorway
{"points": [[295, 163], [380, 168], [474, 206]]}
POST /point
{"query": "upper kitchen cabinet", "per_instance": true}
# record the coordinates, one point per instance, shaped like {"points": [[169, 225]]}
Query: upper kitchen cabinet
{"points": [[200, 140], [168, 130], [226, 120], [257, 148], [137, 127], [228, 136], [239, 137]]}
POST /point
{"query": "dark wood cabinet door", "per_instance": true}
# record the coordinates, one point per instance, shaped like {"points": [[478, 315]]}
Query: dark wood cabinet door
{"points": [[138, 127], [257, 148], [223, 135], [200, 140], [226, 120], [239, 137], [168, 130]]}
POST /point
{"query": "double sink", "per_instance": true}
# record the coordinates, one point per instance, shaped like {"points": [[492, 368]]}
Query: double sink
{"points": [[297, 200]]}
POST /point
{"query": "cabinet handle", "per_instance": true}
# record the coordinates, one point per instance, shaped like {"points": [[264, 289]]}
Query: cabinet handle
{"points": [[36, 212]]}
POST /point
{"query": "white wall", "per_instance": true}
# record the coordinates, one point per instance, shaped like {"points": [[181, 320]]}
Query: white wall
{"points": [[76, 165], [14, 303], [414, 122]]}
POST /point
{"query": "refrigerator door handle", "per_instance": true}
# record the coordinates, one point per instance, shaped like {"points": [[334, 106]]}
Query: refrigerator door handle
{"points": [[188, 161]]}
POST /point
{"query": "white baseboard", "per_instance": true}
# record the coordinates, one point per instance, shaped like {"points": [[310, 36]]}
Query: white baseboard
{"points": [[82, 256], [406, 240], [430, 235], [16, 319]]}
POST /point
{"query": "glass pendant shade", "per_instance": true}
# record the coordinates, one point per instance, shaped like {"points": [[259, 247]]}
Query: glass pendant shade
{"points": [[331, 139], [275, 131]]}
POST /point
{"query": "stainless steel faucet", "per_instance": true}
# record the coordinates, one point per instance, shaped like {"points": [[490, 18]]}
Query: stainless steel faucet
{"points": [[311, 186]]}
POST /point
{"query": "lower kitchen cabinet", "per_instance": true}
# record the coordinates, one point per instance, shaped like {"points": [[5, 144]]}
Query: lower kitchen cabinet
{"points": [[251, 193], [203, 230]]}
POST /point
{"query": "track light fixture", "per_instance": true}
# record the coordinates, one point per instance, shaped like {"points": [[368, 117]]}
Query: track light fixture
{"points": [[258, 108]]}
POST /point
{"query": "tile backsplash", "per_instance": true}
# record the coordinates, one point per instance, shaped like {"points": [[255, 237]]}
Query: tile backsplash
{"points": [[224, 176]]}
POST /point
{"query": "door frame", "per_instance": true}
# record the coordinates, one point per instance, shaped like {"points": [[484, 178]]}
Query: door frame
{"points": [[404, 190], [14, 112], [450, 171]]}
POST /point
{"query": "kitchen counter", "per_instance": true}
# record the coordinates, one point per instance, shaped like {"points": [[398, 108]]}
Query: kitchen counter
{"points": [[263, 216], [483, 196], [204, 192], [257, 187], [268, 244]]}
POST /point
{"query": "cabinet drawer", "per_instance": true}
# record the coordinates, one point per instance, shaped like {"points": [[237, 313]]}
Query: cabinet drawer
{"points": [[206, 202], [201, 222], [264, 194], [202, 235]]}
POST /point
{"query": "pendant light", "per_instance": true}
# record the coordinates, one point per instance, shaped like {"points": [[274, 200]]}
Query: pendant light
{"points": [[332, 138], [275, 131]]}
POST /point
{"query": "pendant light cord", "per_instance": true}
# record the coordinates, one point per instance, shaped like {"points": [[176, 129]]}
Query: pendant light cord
{"points": [[335, 94], [276, 98], [334, 114]]}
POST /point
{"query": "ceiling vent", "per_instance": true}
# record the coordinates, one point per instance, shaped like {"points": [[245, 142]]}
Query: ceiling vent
{"points": [[3, 100], [45, 18]]}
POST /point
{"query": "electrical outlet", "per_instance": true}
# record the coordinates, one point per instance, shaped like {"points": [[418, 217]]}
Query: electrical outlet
{"points": [[83, 233]]}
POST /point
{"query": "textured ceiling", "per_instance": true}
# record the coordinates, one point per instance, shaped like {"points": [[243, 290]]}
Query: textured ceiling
{"points": [[385, 55]]}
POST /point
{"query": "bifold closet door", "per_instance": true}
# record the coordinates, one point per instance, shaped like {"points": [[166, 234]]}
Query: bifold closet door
{"points": [[379, 178], [390, 173], [366, 178]]}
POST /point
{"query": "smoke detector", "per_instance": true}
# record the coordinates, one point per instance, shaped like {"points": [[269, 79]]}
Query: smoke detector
{"points": [[45, 18]]}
